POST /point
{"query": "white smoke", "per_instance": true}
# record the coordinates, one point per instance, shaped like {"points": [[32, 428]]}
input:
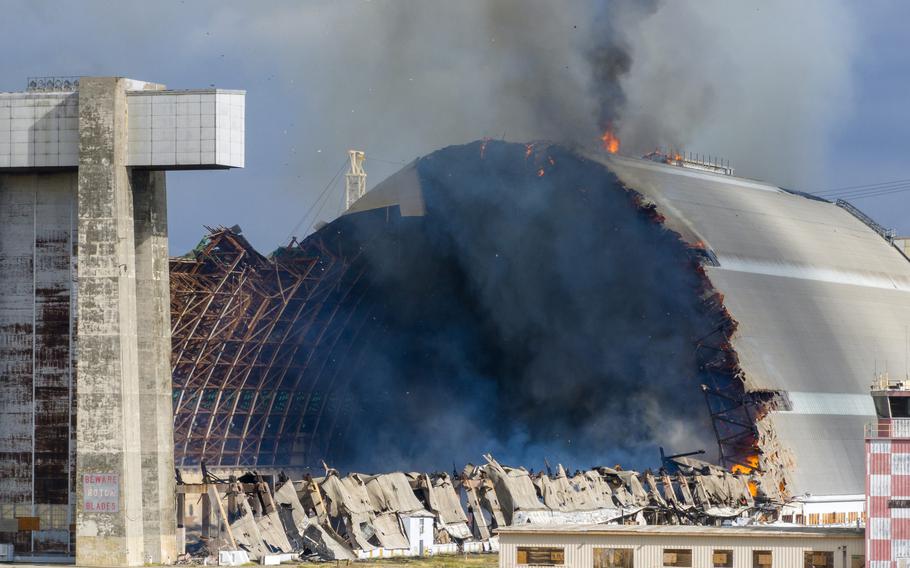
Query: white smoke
{"points": [[760, 83]]}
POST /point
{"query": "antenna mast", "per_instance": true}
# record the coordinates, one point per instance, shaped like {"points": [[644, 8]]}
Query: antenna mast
{"points": [[355, 181]]}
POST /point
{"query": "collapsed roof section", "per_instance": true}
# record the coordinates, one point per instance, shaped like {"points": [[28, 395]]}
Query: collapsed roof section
{"points": [[255, 341], [337, 517]]}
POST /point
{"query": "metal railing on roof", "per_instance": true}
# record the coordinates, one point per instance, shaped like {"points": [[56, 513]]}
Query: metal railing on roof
{"points": [[887, 234]]}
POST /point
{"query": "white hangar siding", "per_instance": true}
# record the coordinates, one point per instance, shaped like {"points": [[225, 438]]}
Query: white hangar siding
{"points": [[648, 544], [821, 299]]}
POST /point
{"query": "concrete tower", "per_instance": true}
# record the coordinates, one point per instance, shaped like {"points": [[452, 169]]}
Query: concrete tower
{"points": [[86, 460]]}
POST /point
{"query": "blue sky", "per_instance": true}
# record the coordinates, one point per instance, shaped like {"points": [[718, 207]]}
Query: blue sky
{"points": [[401, 79], [872, 143]]}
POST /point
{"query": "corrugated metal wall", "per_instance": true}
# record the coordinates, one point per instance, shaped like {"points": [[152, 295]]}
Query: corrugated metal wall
{"points": [[648, 550], [37, 235]]}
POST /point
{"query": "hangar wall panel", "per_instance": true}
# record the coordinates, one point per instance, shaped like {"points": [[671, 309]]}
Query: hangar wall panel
{"points": [[36, 357]]}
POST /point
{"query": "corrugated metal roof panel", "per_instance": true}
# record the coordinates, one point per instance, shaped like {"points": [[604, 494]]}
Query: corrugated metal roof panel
{"points": [[759, 222]]}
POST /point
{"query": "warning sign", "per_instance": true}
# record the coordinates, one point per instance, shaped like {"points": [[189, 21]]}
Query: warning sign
{"points": [[101, 492]]}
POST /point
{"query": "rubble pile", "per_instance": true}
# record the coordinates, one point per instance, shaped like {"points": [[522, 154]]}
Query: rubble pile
{"points": [[354, 516]]}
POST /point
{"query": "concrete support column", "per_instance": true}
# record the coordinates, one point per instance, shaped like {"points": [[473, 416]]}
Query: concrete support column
{"points": [[109, 520], [85, 382], [155, 386]]}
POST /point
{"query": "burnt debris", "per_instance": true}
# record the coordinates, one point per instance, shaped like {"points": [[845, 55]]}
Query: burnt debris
{"points": [[344, 517]]}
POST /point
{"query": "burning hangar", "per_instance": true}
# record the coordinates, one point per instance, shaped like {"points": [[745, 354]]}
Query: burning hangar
{"points": [[787, 304], [526, 300]]}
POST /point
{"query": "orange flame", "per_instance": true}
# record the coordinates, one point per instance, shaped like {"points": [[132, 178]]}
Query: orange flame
{"points": [[750, 466], [610, 141]]}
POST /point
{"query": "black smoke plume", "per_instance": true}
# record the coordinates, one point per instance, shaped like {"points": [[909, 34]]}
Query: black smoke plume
{"points": [[536, 311]]}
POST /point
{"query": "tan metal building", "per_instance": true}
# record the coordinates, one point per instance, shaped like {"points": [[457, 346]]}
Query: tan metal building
{"points": [[622, 546]]}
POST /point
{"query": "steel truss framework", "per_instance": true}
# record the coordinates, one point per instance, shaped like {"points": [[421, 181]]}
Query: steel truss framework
{"points": [[733, 412], [256, 348], [734, 426]]}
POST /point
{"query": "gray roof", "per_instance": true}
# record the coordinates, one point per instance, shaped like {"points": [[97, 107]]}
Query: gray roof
{"points": [[401, 188], [754, 531]]}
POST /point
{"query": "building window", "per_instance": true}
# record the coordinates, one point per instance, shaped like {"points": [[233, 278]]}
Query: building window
{"points": [[900, 407], [722, 559], [678, 557], [612, 558], [761, 559], [818, 559], [541, 556]]}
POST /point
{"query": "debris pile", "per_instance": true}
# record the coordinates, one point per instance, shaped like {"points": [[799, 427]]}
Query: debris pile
{"points": [[686, 492], [355, 516]]}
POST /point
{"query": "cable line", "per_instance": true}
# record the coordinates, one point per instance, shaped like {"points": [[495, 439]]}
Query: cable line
{"points": [[325, 190]]}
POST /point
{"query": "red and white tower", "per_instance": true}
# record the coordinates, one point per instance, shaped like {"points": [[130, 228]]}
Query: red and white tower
{"points": [[888, 477]]}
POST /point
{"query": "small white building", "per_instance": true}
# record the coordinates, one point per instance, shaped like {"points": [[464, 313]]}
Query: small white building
{"points": [[679, 546], [418, 527], [814, 510]]}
